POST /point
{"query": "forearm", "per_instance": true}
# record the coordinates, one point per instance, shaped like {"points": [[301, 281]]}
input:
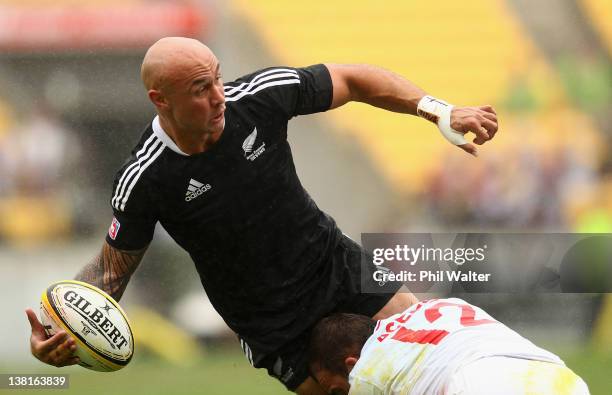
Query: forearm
{"points": [[381, 88], [111, 270], [385, 89]]}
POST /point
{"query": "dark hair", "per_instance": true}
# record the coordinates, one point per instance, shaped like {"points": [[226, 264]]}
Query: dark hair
{"points": [[335, 338]]}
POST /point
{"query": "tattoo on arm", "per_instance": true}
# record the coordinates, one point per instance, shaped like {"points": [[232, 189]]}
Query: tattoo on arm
{"points": [[111, 269]]}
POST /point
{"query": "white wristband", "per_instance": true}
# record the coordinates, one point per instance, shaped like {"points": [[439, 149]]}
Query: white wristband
{"points": [[439, 112]]}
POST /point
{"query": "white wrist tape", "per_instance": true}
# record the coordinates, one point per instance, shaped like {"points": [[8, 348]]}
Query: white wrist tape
{"points": [[439, 112]]}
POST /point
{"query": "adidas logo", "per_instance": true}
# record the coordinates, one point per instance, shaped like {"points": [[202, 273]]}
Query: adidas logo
{"points": [[248, 144], [195, 189]]}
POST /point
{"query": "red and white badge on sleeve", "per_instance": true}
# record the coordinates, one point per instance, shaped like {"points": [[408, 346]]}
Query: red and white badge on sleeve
{"points": [[114, 228]]}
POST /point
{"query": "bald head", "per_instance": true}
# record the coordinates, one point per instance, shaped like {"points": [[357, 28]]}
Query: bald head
{"points": [[168, 58], [183, 81]]}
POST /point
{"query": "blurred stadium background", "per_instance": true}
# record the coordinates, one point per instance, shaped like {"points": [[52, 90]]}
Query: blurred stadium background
{"points": [[72, 105]]}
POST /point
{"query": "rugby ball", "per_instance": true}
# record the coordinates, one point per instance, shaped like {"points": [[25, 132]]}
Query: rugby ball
{"points": [[97, 323]]}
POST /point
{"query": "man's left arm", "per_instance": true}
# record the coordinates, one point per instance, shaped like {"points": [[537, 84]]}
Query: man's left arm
{"points": [[387, 90]]}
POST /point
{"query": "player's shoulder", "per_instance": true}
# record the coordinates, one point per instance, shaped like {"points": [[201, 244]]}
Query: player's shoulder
{"points": [[145, 152], [264, 75], [278, 72], [260, 81], [133, 174]]}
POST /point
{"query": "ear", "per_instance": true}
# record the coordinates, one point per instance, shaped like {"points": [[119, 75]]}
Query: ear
{"points": [[350, 362], [157, 98]]}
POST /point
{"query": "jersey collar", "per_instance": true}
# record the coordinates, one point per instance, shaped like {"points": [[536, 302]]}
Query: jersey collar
{"points": [[163, 136]]}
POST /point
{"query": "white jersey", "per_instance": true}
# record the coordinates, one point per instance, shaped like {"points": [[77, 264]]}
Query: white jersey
{"points": [[417, 351]]}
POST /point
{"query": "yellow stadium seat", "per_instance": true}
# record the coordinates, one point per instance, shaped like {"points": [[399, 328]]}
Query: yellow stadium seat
{"points": [[468, 53], [600, 15]]}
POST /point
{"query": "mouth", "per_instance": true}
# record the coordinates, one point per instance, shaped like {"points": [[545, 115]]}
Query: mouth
{"points": [[219, 117]]}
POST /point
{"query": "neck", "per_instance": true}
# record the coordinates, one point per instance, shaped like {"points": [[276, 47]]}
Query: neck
{"points": [[190, 142]]}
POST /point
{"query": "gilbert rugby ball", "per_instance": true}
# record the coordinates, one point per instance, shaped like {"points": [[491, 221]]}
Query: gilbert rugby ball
{"points": [[97, 323]]}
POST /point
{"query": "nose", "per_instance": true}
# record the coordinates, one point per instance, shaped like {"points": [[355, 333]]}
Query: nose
{"points": [[218, 94]]}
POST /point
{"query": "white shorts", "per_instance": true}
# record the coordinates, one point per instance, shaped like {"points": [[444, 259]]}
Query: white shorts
{"points": [[514, 376]]}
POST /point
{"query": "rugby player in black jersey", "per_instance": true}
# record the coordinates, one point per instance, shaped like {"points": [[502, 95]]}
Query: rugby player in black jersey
{"points": [[214, 168]]}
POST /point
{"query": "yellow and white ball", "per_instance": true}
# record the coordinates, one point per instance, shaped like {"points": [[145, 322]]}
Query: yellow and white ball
{"points": [[94, 319]]}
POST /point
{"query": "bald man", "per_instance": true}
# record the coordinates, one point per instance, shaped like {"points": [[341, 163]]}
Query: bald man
{"points": [[215, 169]]}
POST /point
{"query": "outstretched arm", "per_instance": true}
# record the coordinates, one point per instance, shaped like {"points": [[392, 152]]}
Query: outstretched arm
{"points": [[385, 89], [110, 271], [375, 86]]}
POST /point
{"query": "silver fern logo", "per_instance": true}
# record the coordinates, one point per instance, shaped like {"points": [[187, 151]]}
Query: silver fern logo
{"points": [[248, 144]]}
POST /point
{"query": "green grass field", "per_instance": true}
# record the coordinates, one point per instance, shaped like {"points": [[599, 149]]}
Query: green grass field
{"points": [[217, 373], [593, 366], [228, 373]]}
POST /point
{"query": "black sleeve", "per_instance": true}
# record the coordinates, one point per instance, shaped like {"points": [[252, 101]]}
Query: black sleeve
{"points": [[134, 220], [285, 90]]}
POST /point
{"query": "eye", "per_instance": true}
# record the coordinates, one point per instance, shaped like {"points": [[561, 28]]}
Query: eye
{"points": [[202, 88]]}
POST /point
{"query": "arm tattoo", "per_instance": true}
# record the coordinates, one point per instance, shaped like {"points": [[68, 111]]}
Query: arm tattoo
{"points": [[111, 269]]}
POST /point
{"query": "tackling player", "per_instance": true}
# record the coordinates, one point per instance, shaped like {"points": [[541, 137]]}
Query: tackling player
{"points": [[439, 346], [215, 169]]}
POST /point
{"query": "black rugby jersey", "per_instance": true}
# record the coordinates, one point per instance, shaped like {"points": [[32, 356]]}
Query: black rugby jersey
{"points": [[259, 242]]}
